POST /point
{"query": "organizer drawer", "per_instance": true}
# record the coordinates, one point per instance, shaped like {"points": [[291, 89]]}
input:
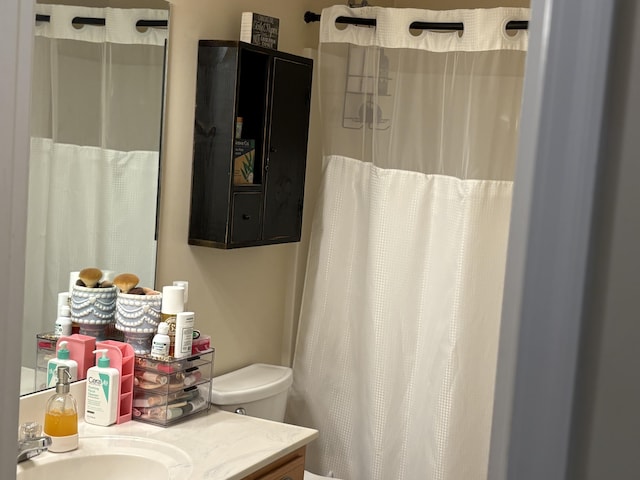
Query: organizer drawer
{"points": [[167, 391]]}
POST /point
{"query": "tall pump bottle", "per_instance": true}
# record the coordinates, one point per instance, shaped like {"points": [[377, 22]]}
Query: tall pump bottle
{"points": [[61, 415], [103, 392]]}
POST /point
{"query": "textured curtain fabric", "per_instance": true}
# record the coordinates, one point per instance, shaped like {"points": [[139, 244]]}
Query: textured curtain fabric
{"points": [[95, 138], [397, 342]]}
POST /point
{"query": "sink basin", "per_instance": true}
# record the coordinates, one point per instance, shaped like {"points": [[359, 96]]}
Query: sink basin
{"points": [[108, 457]]}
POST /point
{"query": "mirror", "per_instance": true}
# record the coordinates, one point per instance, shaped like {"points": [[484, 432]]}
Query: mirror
{"points": [[96, 121]]}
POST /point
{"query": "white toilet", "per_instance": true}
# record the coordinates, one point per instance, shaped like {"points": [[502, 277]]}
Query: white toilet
{"points": [[259, 390]]}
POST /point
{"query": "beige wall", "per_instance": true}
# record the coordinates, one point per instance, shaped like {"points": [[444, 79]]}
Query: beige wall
{"points": [[247, 299], [160, 4]]}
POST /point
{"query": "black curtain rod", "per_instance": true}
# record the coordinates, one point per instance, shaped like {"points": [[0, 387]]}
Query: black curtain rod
{"points": [[371, 22], [101, 21]]}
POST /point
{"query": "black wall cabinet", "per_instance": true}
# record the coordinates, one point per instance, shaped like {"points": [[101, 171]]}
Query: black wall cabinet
{"points": [[271, 92]]}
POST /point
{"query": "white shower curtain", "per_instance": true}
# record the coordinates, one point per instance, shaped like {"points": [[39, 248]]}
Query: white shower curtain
{"points": [[397, 342], [95, 137]]}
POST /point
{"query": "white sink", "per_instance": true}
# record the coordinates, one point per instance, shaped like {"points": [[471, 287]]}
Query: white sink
{"points": [[109, 457]]}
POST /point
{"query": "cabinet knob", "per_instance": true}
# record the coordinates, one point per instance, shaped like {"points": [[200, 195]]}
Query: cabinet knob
{"points": [[246, 216], [273, 150]]}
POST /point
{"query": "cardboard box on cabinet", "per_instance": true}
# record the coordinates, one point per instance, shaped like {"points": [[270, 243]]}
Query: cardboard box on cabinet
{"points": [[244, 154]]}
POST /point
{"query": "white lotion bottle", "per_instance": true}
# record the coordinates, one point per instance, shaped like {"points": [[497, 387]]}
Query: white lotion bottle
{"points": [[61, 360], [172, 304], [184, 334], [102, 392], [161, 341]]}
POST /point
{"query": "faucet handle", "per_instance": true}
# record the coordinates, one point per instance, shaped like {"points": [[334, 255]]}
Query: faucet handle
{"points": [[30, 430]]}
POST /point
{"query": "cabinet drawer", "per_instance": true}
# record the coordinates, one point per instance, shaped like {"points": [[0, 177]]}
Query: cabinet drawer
{"points": [[169, 390], [245, 220], [290, 471], [289, 467]]}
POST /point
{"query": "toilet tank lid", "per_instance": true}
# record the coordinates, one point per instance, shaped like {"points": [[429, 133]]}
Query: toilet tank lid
{"points": [[249, 384]]}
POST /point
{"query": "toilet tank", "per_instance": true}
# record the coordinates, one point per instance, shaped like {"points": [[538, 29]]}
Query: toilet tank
{"points": [[259, 389]]}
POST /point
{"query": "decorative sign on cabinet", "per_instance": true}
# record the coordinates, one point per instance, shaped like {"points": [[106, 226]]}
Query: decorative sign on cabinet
{"points": [[250, 145]]}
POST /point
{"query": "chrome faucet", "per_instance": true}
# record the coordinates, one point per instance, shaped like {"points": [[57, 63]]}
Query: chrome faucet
{"points": [[31, 442]]}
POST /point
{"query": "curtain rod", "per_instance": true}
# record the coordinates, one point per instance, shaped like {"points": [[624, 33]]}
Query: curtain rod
{"points": [[371, 22], [101, 21]]}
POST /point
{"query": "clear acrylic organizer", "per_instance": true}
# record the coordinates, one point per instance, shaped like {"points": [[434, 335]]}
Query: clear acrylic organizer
{"points": [[168, 390]]}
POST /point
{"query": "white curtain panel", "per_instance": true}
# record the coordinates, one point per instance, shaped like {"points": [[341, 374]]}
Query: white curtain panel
{"points": [[397, 342], [93, 172]]}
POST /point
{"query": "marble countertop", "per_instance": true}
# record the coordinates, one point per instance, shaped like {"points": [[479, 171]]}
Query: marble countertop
{"points": [[222, 445]]}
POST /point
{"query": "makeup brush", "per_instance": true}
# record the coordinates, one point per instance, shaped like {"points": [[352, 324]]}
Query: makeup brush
{"points": [[126, 282], [90, 277]]}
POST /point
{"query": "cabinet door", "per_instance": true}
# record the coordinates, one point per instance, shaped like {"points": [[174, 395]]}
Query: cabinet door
{"points": [[212, 148], [287, 149]]}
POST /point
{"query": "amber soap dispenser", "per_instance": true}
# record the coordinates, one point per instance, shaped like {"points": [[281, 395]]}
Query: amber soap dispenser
{"points": [[61, 415]]}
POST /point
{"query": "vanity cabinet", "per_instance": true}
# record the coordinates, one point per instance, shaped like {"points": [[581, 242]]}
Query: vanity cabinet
{"points": [[289, 467], [248, 96]]}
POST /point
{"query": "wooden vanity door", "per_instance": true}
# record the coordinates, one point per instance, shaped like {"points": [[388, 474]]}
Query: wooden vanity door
{"points": [[289, 467]]}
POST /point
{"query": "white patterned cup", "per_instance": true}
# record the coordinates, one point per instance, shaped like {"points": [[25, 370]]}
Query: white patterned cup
{"points": [[93, 309], [138, 316]]}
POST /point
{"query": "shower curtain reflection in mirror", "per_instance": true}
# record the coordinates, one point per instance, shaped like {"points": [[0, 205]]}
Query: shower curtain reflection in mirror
{"points": [[396, 353], [94, 164]]}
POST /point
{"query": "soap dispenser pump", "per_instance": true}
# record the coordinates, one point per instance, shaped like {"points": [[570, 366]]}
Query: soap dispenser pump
{"points": [[61, 359], [61, 415]]}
